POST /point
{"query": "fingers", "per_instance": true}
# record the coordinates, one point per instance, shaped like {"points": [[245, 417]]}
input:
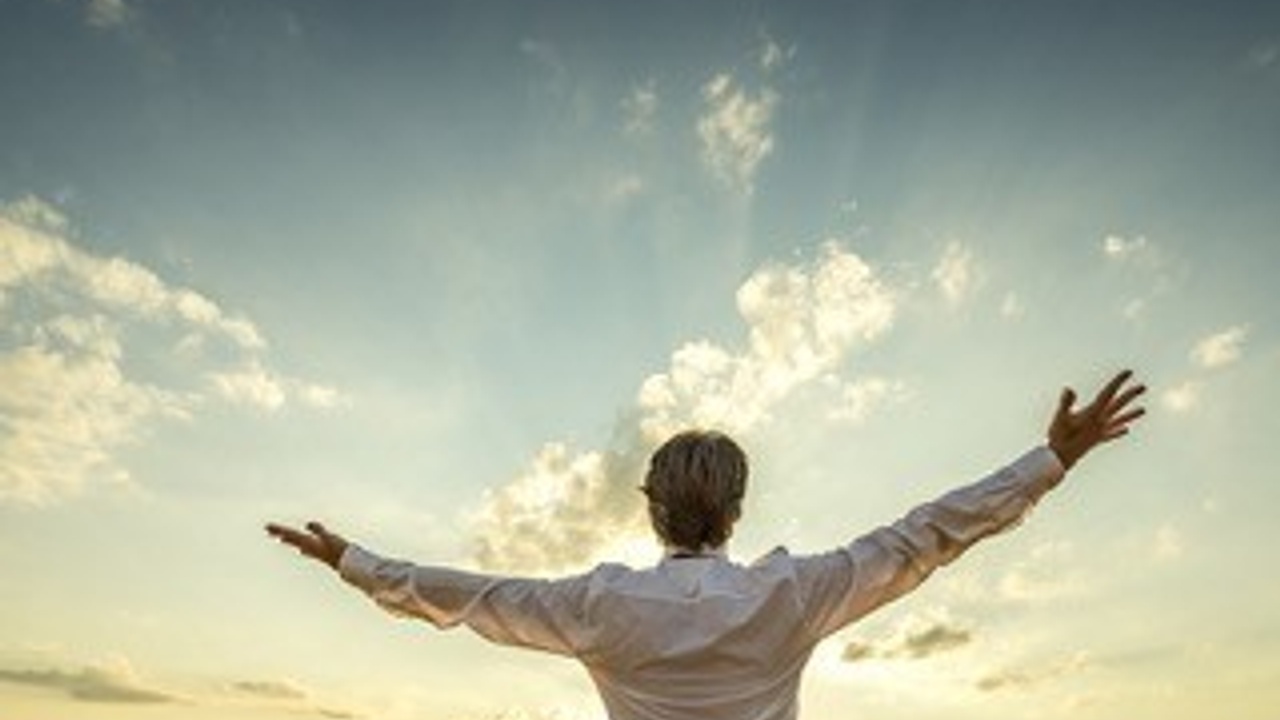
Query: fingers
{"points": [[304, 542], [1126, 397], [1108, 392], [1126, 418], [1065, 402], [286, 534]]}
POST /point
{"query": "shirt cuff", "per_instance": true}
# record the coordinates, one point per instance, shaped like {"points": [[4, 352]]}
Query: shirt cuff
{"points": [[1042, 466], [358, 566]]}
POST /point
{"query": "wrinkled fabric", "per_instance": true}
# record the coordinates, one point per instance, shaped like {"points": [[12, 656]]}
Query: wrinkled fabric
{"points": [[704, 637]]}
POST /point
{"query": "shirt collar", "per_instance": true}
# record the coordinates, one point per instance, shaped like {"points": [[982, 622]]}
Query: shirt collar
{"points": [[679, 553]]}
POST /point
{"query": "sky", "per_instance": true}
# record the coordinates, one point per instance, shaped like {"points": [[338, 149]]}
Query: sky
{"points": [[442, 274]]}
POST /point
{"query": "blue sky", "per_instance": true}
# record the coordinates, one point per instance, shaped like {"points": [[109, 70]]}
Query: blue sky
{"points": [[442, 273]]}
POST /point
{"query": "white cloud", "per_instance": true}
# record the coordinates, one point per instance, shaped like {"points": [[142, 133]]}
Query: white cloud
{"points": [[956, 273], [1220, 349], [639, 108], [1182, 398], [1120, 248], [69, 397], [250, 385], [803, 322], [735, 131]]}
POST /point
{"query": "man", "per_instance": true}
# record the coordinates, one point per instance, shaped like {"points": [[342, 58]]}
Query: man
{"points": [[700, 637]]}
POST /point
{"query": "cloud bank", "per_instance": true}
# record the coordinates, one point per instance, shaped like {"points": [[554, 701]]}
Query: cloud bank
{"points": [[916, 639], [803, 322], [93, 349], [114, 682]]}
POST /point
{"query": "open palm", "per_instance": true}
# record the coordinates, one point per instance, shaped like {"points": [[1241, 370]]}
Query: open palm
{"points": [[1073, 433]]}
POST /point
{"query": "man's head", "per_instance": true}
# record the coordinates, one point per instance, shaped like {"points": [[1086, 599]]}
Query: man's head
{"points": [[695, 485]]}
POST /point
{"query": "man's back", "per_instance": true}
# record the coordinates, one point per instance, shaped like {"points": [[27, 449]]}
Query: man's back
{"points": [[699, 638]]}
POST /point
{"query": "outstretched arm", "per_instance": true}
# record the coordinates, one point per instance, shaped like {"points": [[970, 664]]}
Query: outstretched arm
{"points": [[888, 562], [543, 614]]}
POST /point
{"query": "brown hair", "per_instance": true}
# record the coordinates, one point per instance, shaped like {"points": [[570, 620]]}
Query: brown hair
{"points": [[695, 485]]}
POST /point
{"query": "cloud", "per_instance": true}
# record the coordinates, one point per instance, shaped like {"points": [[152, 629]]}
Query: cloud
{"points": [[1120, 249], [802, 321], [84, 343], [107, 14], [858, 399], [287, 695], [915, 639], [1182, 398], [271, 689], [956, 273], [735, 131], [112, 682], [1024, 679], [1011, 307], [625, 188], [773, 55], [639, 108], [1220, 349], [1144, 265]]}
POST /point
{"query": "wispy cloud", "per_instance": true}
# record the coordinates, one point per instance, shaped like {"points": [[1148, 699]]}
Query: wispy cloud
{"points": [[106, 14], [1213, 352], [916, 638], [1027, 678], [1011, 306], [803, 322], [1221, 348], [956, 273], [272, 689], [1264, 55], [1168, 544], [74, 326], [287, 695], [1147, 267], [639, 109], [773, 55], [111, 682], [860, 398], [736, 131], [1120, 248]]}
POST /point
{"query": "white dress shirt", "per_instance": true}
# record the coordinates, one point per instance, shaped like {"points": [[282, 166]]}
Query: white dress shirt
{"points": [[706, 638]]}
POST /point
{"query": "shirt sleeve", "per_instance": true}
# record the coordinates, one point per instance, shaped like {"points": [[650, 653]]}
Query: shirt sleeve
{"points": [[847, 583], [533, 613]]}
